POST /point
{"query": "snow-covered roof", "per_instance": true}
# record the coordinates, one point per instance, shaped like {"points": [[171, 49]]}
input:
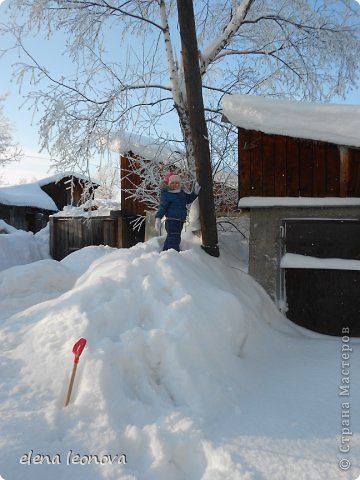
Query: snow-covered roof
{"points": [[32, 195], [27, 195], [59, 176], [339, 124], [146, 147]]}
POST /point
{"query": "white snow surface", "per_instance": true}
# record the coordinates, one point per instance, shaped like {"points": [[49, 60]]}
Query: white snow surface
{"points": [[59, 176], [294, 260], [92, 208], [18, 247], [189, 371], [253, 202], [333, 123], [146, 147]]}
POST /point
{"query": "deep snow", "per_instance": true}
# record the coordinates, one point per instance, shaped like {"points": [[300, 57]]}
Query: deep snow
{"points": [[189, 371], [18, 247]]}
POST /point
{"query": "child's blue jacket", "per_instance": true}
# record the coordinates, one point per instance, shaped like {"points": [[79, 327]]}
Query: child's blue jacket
{"points": [[173, 205]]}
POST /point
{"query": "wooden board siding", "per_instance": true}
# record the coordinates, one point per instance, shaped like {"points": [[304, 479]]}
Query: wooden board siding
{"points": [[306, 161], [30, 219], [268, 155], [62, 193], [276, 165], [319, 172], [332, 170], [354, 173], [256, 174], [292, 167], [129, 181], [68, 234], [244, 163]]}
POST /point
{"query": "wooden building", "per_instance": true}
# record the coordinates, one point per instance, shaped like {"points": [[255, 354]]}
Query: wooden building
{"points": [[299, 174], [160, 157], [68, 189], [114, 229], [28, 206]]}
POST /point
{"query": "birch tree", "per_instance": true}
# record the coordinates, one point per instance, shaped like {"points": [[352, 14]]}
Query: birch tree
{"points": [[128, 72]]}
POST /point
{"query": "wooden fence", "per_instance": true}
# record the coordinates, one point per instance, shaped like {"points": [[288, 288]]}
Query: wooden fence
{"points": [[68, 234]]}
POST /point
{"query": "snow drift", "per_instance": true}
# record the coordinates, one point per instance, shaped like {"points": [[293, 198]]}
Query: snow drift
{"points": [[18, 247], [189, 372]]}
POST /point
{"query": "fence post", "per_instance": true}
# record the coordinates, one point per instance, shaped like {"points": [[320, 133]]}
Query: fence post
{"points": [[51, 236], [117, 217]]}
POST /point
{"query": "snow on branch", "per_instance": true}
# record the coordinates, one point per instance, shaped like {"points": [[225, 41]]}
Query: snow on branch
{"points": [[212, 51]]}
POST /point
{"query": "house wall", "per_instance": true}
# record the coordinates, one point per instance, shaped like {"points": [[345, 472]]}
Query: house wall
{"points": [[25, 218], [266, 242], [281, 166], [63, 195], [129, 181]]}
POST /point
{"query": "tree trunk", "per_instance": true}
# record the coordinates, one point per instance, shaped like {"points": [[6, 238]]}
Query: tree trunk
{"points": [[199, 134]]}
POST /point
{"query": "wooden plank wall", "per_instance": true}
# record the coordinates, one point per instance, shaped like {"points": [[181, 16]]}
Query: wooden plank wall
{"points": [[62, 193], [68, 234], [275, 165], [129, 181]]}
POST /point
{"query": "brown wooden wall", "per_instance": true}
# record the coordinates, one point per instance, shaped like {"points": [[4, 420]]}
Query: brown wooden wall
{"points": [[30, 219], [62, 194], [280, 166], [129, 181], [68, 234]]}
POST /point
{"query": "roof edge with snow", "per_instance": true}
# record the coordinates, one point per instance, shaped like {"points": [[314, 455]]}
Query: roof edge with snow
{"points": [[332, 123], [57, 177], [149, 148]]}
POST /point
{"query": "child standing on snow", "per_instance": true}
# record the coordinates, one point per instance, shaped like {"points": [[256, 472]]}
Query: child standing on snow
{"points": [[173, 201]]}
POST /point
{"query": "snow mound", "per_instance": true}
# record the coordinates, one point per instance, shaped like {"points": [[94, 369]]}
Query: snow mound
{"points": [[177, 378], [18, 247]]}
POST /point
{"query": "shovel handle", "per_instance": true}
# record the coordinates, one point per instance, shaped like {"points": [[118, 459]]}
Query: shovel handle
{"points": [[73, 373], [77, 351], [78, 348]]}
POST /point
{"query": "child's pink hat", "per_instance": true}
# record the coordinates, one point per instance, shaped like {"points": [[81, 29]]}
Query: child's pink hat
{"points": [[172, 177]]}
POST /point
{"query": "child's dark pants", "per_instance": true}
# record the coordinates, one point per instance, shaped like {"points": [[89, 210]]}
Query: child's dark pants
{"points": [[173, 228]]}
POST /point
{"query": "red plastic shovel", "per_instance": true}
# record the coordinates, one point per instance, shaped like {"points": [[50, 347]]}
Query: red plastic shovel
{"points": [[77, 351]]}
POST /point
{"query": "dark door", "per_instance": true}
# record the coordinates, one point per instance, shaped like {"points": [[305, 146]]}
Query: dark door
{"points": [[325, 300]]}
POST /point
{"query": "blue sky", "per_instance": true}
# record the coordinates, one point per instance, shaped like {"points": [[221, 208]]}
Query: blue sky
{"points": [[25, 130], [35, 164]]}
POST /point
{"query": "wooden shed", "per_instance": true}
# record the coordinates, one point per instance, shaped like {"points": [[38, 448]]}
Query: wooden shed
{"points": [[28, 206], [299, 174], [68, 189], [159, 155]]}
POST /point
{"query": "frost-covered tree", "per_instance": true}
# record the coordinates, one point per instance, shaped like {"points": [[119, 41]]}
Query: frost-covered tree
{"points": [[9, 151], [128, 70], [108, 177]]}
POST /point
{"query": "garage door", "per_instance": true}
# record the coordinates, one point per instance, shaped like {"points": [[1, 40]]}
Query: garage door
{"points": [[320, 274]]}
